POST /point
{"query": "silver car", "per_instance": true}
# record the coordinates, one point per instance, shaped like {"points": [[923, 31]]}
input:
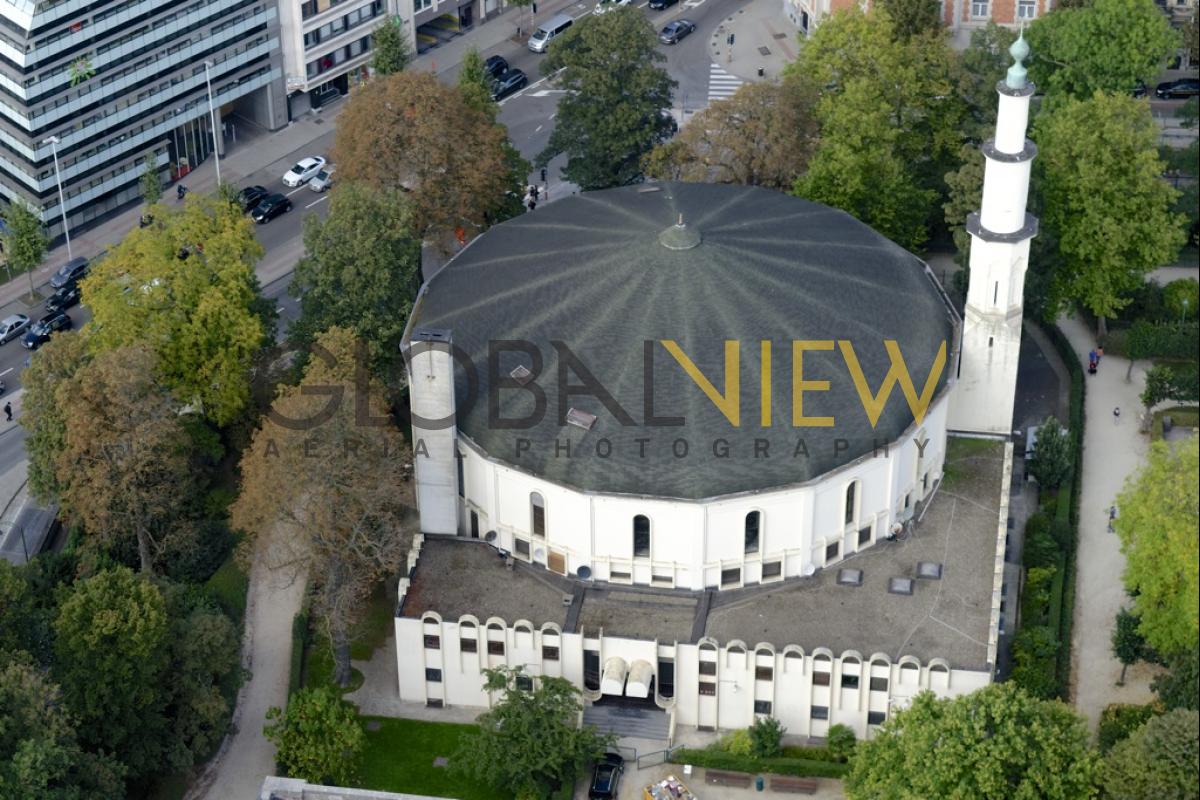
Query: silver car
{"points": [[322, 180], [11, 327]]}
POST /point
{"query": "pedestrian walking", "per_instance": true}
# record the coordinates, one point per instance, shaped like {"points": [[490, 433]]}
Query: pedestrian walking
{"points": [[1099, 355], [1091, 356], [532, 204], [1117, 415], [8, 412], [533, 192]]}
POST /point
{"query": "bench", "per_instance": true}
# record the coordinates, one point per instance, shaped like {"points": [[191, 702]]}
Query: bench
{"points": [[716, 777], [790, 785]]}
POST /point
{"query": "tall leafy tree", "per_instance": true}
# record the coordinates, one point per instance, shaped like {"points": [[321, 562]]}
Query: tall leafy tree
{"points": [[360, 270], [390, 48], [317, 737], [996, 743], [1104, 199], [1157, 527], [325, 470], [43, 415], [150, 184], [1051, 461], [617, 96], [528, 744], [1179, 686], [1160, 760], [981, 66], [1105, 46], [185, 287], [24, 239], [913, 17], [475, 83], [1128, 645]]}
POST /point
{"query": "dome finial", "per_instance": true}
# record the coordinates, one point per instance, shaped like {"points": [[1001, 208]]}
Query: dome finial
{"points": [[1016, 78], [679, 236]]}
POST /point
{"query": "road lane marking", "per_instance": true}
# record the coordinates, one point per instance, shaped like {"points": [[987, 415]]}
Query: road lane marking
{"points": [[2, 374], [538, 129], [314, 202], [279, 310], [721, 84], [298, 188]]}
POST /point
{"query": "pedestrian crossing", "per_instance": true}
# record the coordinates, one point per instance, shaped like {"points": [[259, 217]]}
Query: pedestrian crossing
{"points": [[720, 83]]}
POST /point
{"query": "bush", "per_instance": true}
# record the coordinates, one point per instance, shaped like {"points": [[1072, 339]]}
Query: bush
{"points": [[1182, 298], [765, 736], [1040, 549], [841, 742], [737, 743], [1035, 666], [781, 765], [1118, 721]]}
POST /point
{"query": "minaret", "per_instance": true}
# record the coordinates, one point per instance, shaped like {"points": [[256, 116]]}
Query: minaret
{"points": [[430, 362], [1000, 234]]}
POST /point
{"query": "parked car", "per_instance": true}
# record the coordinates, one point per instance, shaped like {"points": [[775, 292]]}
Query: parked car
{"points": [[1184, 87], [39, 333], [11, 327], [303, 171], [322, 180], [659, 5], [251, 196], [676, 30], [63, 298], [496, 66], [509, 82], [606, 777], [608, 5], [69, 272], [271, 207]]}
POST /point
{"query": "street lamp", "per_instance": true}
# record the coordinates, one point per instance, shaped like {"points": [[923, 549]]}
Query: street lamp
{"points": [[62, 203], [213, 113]]}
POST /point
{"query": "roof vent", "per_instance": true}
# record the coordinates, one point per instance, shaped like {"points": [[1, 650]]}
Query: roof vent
{"points": [[849, 577], [490, 537], [521, 374], [679, 236], [900, 585], [929, 570], [647, 189], [580, 419], [584, 572]]}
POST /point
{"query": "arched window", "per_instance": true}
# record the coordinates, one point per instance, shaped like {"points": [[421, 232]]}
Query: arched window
{"points": [[537, 508], [752, 528], [851, 502], [641, 536]]}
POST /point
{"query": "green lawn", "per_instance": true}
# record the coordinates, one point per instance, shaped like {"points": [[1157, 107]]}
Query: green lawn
{"points": [[1183, 416], [399, 758], [369, 635], [228, 585]]}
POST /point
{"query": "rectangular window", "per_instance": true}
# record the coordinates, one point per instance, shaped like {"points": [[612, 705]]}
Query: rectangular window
{"points": [[521, 548], [864, 536], [666, 677], [764, 673], [641, 537], [1026, 9], [495, 648], [525, 683], [849, 681], [820, 712], [549, 653], [979, 8], [708, 688], [617, 575], [876, 717], [820, 679], [433, 643], [459, 465], [591, 670], [879, 684], [850, 493], [762, 706], [731, 577], [772, 569], [708, 668], [433, 675], [539, 520], [751, 532], [468, 645], [832, 550]]}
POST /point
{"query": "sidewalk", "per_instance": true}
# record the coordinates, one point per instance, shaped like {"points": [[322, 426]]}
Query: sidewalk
{"points": [[763, 38]]}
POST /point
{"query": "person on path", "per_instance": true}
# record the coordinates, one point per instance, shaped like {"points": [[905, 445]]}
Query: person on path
{"points": [[532, 204], [1099, 355], [1117, 415], [1092, 357], [533, 191], [8, 412]]}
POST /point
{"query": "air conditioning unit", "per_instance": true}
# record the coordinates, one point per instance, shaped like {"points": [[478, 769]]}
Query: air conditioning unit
{"points": [[584, 572]]}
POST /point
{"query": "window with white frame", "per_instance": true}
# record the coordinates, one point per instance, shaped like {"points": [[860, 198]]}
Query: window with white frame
{"points": [[851, 502], [641, 536], [1026, 9], [753, 520], [980, 8], [421, 5], [537, 507]]}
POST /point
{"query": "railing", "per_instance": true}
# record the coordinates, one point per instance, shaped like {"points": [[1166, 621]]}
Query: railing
{"points": [[657, 757]]}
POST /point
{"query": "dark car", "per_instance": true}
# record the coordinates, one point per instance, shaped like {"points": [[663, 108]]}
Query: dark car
{"points": [[39, 333], [251, 196], [270, 207], [674, 31], [606, 777], [659, 5], [1185, 87], [69, 272], [495, 66], [508, 83], [63, 298]]}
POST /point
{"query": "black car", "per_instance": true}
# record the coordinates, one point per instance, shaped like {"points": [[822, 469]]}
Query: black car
{"points": [[39, 333], [63, 298], [69, 272], [1185, 87], [674, 31], [251, 196], [495, 66], [270, 207], [508, 83], [659, 5], [606, 777]]}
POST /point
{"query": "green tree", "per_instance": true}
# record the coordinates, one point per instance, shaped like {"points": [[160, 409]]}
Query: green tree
{"points": [[1101, 174], [996, 742], [982, 65], [1051, 461], [186, 288], [24, 623], [914, 17], [1127, 643], [528, 743], [150, 183], [318, 737], [360, 270], [614, 109], [1160, 760], [1179, 686], [390, 48], [1107, 46], [1158, 385], [1157, 527], [766, 737], [112, 657], [1182, 298], [964, 197], [42, 415], [40, 755], [24, 239], [476, 84], [841, 741]]}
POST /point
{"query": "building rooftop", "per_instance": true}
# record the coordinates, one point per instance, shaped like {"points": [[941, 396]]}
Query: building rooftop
{"points": [[589, 280], [275, 788], [946, 617]]}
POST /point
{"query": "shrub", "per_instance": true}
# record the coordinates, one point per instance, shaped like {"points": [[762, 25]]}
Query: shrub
{"points": [[1040, 549], [737, 743], [841, 741], [1182, 298], [716, 759], [765, 736], [1034, 653], [1118, 721]]}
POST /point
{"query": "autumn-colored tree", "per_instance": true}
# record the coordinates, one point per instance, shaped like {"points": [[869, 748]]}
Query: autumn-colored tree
{"points": [[324, 470], [42, 416], [410, 132], [761, 136], [185, 287]]}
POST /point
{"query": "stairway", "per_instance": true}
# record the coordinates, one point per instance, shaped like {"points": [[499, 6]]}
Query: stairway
{"points": [[626, 722]]}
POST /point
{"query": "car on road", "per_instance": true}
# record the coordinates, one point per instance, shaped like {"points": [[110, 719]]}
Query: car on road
{"points": [[509, 82], [659, 5], [63, 298], [605, 6], [39, 333], [251, 196], [495, 66], [303, 171], [11, 327], [606, 777], [69, 272], [322, 181], [676, 30], [271, 207], [1171, 90]]}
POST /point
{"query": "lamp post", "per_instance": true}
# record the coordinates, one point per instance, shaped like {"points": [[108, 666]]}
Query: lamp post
{"points": [[213, 113], [62, 203]]}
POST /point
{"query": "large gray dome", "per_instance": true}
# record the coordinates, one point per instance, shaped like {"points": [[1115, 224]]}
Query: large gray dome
{"points": [[605, 271]]}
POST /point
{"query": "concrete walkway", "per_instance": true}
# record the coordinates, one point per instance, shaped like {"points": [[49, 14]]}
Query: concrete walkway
{"points": [[763, 38]]}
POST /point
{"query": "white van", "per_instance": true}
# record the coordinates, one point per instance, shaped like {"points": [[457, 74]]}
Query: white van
{"points": [[547, 31]]}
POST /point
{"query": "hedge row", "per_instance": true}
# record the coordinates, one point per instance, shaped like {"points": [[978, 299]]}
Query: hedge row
{"points": [[780, 765], [299, 647]]}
